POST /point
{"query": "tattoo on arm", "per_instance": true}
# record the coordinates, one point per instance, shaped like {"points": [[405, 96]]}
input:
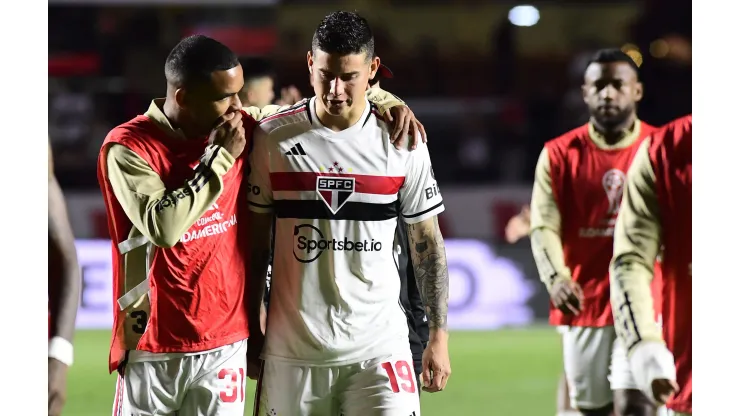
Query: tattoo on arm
{"points": [[430, 269]]}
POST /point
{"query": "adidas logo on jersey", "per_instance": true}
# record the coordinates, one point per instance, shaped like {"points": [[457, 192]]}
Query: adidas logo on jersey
{"points": [[296, 150]]}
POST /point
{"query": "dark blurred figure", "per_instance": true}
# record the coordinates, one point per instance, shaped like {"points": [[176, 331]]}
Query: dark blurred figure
{"points": [[665, 65], [474, 151], [503, 42], [430, 80], [259, 83], [259, 86]]}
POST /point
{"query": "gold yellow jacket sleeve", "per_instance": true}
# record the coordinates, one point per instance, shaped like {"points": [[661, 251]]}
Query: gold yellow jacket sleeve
{"points": [[636, 246], [163, 215], [547, 246]]}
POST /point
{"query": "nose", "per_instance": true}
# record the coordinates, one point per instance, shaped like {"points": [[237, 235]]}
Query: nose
{"points": [[235, 104], [336, 87], [609, 93]]}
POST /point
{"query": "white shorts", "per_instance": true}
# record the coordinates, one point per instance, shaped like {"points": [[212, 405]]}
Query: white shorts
{"points": [[384, 386], [594, 366], [208, 384]]}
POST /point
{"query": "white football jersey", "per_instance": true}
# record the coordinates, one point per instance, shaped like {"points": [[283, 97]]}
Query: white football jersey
{"points": [[336, 196]]}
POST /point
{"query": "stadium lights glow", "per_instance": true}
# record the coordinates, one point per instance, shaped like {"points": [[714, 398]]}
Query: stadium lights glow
{"points": [[524, 15], [660, 48]]}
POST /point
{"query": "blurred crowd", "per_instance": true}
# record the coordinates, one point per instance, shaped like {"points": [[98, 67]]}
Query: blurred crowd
{"points": [[487, 112]]}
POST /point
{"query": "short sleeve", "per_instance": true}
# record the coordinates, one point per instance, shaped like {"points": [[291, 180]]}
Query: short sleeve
{"points": [[260, 189], [420, 196]]}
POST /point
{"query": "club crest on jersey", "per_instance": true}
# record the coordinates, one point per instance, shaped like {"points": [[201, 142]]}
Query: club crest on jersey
{"points": [[613, 182], [335, 191]]}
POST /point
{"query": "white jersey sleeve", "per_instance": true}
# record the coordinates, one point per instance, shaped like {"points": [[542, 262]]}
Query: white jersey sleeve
{"points": [[260, 189], [420, 197]]}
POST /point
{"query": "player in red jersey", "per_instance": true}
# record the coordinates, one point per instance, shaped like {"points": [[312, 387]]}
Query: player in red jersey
{"points": [[172, 185], [64, 293], [656, 211], [575, 201], [517, 228], [170, 182]]}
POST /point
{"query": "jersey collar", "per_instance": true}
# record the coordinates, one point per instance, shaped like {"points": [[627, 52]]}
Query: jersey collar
{"points": [[328, 133], [627, 140], [156, 114]]}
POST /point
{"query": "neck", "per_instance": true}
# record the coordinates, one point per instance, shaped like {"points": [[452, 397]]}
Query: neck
{"points": [[339, 123], [613, 134], [174, 115]]}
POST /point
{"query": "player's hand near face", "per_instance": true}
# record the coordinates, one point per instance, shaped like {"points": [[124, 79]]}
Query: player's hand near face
{"points": [[229, 133], [405, 123], [435, 363], [567, 296], [57, 386]]}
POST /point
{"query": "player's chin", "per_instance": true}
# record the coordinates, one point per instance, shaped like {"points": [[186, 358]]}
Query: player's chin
{"points": [[611, 116], [337, 108]]}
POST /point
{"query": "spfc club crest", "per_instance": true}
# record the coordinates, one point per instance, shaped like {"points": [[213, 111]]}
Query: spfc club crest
{"points": [[335, 191]]}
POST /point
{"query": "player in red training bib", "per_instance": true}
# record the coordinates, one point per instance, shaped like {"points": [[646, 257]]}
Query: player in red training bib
{"points": [[575, 200], [171, 184], [657, 212]]}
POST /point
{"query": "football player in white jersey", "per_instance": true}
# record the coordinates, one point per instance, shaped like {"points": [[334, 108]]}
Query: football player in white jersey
{"points": [[337, 338]]}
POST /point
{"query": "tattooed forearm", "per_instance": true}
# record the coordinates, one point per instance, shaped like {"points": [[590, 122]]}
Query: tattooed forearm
{"points": [[430, 269]]}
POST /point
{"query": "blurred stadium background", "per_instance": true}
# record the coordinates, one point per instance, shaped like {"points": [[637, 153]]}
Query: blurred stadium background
{"points": [[491, 80]]}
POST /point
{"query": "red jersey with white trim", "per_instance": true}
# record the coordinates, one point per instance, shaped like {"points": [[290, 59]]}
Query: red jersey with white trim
{"points": [[587, 183], [337, 196], [194, 296]]}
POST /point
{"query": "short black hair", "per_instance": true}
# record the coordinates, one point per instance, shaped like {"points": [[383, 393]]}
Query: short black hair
{"points": [[255, 68], [344, 33], [614, 55], [195, 58]]}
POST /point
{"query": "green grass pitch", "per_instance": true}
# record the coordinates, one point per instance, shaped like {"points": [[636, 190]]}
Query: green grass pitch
{"points": [[506, 372]]}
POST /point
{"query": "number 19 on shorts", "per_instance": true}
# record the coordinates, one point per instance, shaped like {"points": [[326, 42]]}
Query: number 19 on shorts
{"points": [[400, 371]]}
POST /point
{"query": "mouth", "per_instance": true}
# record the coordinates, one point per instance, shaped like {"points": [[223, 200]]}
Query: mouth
{"points": [[608, 110]]}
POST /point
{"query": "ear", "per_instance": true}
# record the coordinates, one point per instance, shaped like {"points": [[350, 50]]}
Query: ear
{"points": [[638, 92], [374, 65], [309, 61], [180, 96]]}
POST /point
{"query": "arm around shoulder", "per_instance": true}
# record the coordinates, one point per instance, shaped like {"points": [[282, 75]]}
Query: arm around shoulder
{"points": [[382, 99]]}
